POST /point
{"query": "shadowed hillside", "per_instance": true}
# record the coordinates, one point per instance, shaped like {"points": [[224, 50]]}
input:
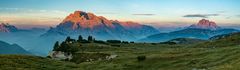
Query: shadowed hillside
{"points": [[12, 49], [225, 40], [220, 54]]}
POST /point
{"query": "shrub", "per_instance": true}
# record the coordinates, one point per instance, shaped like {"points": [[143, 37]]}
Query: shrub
{"points": [[48, 57], [170, 43], [125, 42], [84, 41], [116, 45], [132, 42], [141, 58], [99, 41], [113, 41], [154, 43]]}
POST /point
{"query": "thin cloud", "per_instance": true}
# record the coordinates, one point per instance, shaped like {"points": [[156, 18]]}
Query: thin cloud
{"points": [[106, 13], [228, 17], [25, 10], [144, 14], [221, 11], [10, 8], [238, 15], [200, 15]]}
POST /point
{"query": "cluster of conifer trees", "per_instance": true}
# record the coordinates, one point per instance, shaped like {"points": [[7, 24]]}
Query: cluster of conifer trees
{"points": [[66, 46]]}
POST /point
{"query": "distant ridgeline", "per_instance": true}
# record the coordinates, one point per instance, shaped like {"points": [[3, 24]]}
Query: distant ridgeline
{"points": [[7, 48], [204, 29], [5, 27]]}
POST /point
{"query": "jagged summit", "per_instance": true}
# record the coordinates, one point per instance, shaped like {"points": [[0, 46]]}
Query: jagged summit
{"points": [[205, 24], [79, 16], [82, 19], [5, 27]]}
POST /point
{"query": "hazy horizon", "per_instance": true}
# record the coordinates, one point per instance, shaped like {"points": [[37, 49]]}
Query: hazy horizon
{"points": [[158, 13]]}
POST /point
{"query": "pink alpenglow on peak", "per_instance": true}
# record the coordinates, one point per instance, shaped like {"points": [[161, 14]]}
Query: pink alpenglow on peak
{"points": [[5, 27], [85, 24], [86, 20], [205, 24], [89, 20], [129, 24]]}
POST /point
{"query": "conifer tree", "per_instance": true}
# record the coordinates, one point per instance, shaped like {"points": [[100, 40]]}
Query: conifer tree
{"points": [[68, 39], [56, 46], [90, 38], [80, 38]]}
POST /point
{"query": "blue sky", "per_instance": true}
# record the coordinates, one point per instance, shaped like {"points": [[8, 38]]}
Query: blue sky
{"points": [[47, 13]]}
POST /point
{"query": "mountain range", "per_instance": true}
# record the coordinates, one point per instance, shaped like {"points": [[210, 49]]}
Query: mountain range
{"points": [[26, 38], [85, 24], [8, 28], [204, 29]]}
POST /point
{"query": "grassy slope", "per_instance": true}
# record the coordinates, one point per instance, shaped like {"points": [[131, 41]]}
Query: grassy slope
{"points": [[163, 57], [231, 40], [25, 62]]}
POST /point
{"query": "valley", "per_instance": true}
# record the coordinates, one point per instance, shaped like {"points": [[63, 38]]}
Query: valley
{"points": [[137, 56]]}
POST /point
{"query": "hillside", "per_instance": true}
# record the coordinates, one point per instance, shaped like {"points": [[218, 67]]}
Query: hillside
{"points": [[157, 57], [222, 41], [24, 62], [184, 41], [11, 49], [220, 53], [90, 55]]}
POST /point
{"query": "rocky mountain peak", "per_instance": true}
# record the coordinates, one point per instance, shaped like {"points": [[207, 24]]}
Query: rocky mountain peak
{"points": [[80, 19], [205, 24], [79, 16], [85, 24], [5, 27]]}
